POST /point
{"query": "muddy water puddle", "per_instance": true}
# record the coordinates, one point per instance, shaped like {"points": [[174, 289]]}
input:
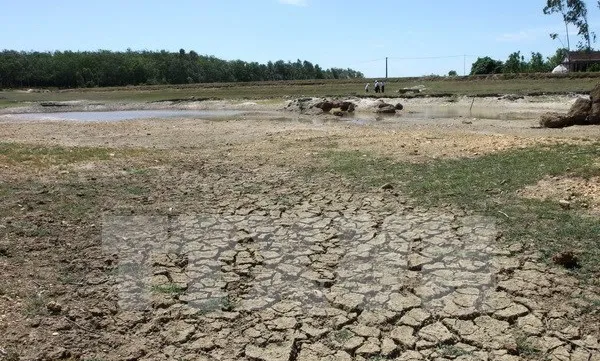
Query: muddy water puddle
{"points": [[122, 115]]}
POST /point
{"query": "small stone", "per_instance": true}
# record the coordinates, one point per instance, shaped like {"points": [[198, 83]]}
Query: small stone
{"points": [[564, 204], [387, 187], [54, 307], [410, 356]]}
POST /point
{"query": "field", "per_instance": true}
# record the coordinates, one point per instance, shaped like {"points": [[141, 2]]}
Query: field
{"points": [[276, 235]]}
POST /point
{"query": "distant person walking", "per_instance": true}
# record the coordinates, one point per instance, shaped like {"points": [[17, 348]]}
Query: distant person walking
{"points": [[367, 88], [376, 86], [383, 87]]}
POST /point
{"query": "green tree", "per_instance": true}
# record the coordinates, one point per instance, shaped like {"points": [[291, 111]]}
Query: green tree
{"points": [[537, 64], [515, 63], [558, 58], [452, 73], [486, 65], [573, 12]]}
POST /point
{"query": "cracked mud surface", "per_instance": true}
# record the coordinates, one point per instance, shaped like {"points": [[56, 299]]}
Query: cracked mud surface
{"points": [[232, 255]]}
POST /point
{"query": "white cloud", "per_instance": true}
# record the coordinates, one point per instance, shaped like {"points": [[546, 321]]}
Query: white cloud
{"points": [[294, 2], [519, 36]]}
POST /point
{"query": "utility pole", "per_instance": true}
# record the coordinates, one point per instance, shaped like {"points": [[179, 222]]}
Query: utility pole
{"points": [[464, 65], [386, 68]]}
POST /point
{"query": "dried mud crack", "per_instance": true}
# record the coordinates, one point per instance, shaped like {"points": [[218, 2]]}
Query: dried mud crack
{"points": [[214, 252]]}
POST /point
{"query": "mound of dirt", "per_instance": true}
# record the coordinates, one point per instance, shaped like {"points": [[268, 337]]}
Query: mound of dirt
{"points": [[584, 111], [574, 191]]}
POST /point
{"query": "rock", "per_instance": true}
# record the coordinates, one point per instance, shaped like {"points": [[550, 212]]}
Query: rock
{"points": [[595, 94], [272, 352], [54, 307], [555, 120], [387, 187], [511, 97], [564, 204], [567, 259], [387, 109], [338, 113], [404, 335], [399, 106], [59, 354], [325, 106], [594, 116], [580, 110]]}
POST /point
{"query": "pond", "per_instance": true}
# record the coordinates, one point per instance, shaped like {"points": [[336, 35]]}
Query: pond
{"points": [[120, 115]]}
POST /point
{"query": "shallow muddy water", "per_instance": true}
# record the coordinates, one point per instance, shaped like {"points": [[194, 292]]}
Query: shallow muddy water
{"points": [[120, 115]]}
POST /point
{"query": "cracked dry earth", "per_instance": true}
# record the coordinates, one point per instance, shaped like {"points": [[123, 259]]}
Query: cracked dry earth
{"points": [[337, 278], [285, 270]]}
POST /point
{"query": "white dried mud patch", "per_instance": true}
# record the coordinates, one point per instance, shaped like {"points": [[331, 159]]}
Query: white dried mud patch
{"points": [[580, 192]]}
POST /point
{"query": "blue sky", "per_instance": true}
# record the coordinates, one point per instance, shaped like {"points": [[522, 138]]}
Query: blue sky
{"points": [[340, 33]]}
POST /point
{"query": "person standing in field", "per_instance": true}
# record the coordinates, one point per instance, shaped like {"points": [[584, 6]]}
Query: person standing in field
{"points": [[367, 88], [383, 87], [376, 86]]}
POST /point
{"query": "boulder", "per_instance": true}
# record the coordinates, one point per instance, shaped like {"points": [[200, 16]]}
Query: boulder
{"points": [[386, 109], [594, 116], [399, 106], [555, 120], [595, 94], [580, 111], [325, 106]]}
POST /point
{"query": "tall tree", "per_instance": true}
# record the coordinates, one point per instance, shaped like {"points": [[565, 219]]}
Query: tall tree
{"points": [[573, 12]]}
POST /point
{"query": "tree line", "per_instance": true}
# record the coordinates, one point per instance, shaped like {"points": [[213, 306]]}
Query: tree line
{"points": [[102, 68], [517, 63]]}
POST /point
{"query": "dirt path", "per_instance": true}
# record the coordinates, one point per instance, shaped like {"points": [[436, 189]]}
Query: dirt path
{"points": [[210, 244]]}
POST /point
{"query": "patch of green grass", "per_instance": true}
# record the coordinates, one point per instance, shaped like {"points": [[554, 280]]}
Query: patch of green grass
{"points": [[525, 348], [170, 289], [488, 185], [35, 306], [45, 156], [451, 351], [135, 190], [214, 304], [342, 335], [437, 85]]}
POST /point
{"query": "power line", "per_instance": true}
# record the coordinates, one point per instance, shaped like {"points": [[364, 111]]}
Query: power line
{"points": [[431, 57]]}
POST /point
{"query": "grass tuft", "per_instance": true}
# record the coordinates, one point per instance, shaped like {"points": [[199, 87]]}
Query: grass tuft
{"points": [[488, 185]]}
